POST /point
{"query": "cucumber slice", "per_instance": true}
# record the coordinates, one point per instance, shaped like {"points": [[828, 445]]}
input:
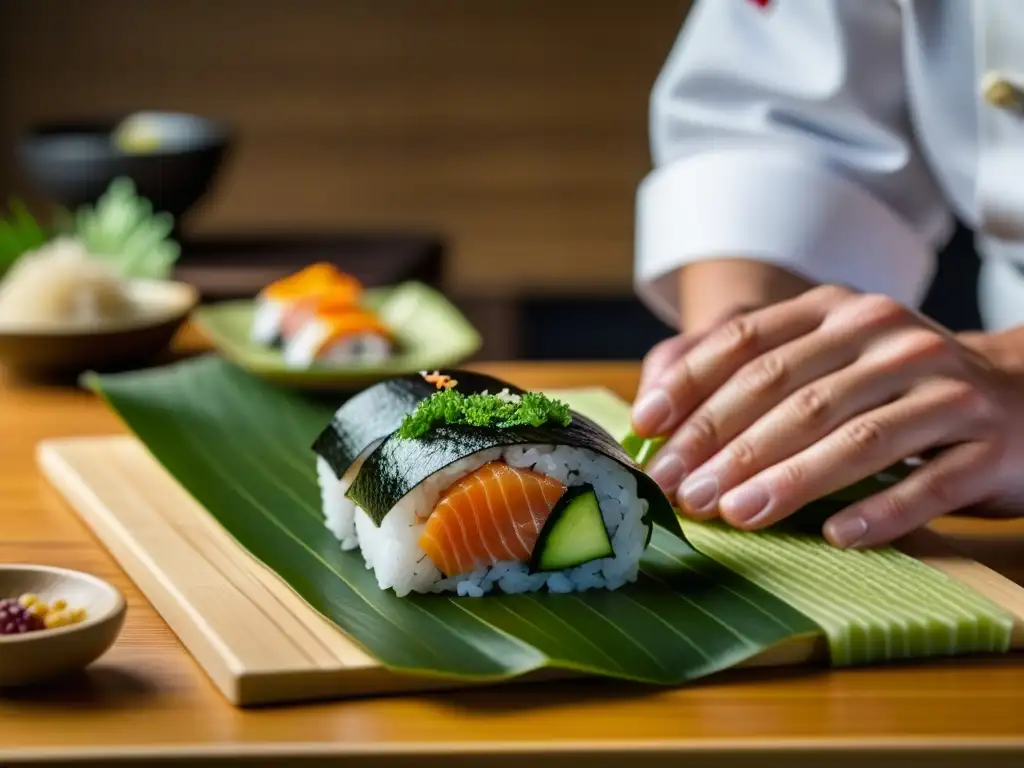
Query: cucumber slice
{"points": [[573, 534]]}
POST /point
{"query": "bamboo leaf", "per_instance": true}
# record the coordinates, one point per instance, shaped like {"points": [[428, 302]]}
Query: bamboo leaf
{"points": [[242, 449]]}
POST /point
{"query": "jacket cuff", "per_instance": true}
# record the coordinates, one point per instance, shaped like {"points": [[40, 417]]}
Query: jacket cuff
{"points": [[775, 207]]}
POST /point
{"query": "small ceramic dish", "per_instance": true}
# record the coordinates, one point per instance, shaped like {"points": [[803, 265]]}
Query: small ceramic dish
{"points": [[42, 655], [66, 351]]}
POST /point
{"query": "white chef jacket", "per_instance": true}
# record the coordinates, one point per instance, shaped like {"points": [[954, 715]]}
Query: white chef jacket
{"points": [[836, 139]]}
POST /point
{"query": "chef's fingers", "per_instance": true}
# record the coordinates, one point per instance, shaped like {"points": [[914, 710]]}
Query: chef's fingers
{"points": [[743, 430], [744, 399], [958, 478], [660, 357], [663, 355], [723, 351], [940, 413]]}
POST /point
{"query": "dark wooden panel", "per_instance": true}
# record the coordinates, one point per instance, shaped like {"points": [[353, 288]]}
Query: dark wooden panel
{"points": [[517, 128]]}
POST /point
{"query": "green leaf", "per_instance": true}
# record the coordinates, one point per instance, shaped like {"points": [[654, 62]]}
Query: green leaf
{"points": [[241, 448], [123, 230], [882, 604], [642, 449], [19, 234]]}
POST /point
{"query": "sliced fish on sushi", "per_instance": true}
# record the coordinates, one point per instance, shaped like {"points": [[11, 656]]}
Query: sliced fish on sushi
{"points": [[491, 515], [332, 301], [293, 292], [358, 427], [339, 338], [581, 525]]}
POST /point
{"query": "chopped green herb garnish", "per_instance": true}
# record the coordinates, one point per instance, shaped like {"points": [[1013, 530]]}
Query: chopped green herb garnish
{"points": [[502, 410]]}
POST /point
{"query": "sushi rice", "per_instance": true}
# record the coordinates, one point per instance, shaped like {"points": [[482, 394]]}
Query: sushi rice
{"points": [[339, 511], [392, 549], [266, 322], [307, 347]]}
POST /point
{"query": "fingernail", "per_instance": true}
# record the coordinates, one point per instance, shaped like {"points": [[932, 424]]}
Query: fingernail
{"points": [[846, 531], [652, 411], [699, 494], [746, 504], [667, 471]]}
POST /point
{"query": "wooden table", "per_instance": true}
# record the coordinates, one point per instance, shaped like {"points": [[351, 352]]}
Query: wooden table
{"points": [[147, 698]]}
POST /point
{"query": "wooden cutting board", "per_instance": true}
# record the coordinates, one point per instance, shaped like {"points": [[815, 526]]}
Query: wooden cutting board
{"points": [[256, 639]]}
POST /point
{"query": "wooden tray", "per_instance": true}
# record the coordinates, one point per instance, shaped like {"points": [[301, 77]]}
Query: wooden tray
{"points": [[256, 639]]}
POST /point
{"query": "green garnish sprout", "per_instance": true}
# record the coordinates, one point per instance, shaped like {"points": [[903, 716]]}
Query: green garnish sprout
{"points": [[451, 407]]}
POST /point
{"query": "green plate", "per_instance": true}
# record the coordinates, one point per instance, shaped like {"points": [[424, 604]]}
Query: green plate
{"points": [[430, 330]]}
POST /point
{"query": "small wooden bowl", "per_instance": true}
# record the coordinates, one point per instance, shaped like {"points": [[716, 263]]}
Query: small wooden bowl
{"points": [[43, 655], [65, 352]]}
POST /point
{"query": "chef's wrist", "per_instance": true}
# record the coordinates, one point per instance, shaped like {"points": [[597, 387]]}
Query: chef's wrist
{"points": [[712, 291]]}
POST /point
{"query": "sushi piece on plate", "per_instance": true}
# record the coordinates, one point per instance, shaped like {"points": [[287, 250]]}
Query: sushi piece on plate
{"points": [[331, 302], [359, 426], [500, 490], [339, 338], [295, 291]]}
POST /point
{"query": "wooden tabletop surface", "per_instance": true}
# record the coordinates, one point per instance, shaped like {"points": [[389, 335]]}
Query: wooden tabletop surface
{"points": [[147, 698]]}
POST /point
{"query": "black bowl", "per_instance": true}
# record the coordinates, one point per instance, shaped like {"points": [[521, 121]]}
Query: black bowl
{"points": [[73, 163]]}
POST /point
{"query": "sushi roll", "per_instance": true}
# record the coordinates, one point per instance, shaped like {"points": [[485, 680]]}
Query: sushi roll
{"points": [[500, 490], [294, 293], [339, 337], [359, 426]]}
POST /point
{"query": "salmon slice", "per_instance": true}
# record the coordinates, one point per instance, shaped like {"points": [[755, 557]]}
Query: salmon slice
{"points": [[332, 299], [341, 325], [490, 515], [312, 280]]}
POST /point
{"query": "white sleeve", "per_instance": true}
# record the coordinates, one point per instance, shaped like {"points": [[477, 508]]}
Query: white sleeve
{"points": [[781, 134]]}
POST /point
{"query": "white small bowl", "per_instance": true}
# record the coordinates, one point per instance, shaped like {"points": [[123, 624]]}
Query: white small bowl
{"points": [[48, 653]]}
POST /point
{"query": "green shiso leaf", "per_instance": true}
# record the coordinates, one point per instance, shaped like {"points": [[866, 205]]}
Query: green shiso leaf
{"points": [[123, 230], [450, 407]]}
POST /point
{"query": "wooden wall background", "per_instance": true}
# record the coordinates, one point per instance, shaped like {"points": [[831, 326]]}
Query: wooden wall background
{"points": [[516, 128]]}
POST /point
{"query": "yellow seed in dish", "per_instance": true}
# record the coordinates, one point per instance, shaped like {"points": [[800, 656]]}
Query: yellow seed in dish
{"points": [[59, 605], [56, 619], [28, 600], [39, 609], [78, 615]]}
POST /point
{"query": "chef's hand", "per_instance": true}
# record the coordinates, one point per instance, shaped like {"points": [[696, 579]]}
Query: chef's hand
{"points": [[780, 406]]}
